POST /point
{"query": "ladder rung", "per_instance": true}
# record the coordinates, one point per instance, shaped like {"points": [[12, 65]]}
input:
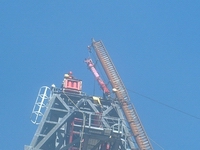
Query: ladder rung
{"points": [[122, 93]]}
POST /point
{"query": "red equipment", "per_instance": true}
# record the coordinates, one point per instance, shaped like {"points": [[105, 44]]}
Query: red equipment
{"points": [[71, 84], [97, 76]]}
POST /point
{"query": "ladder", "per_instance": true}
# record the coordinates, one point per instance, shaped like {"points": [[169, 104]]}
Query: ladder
{"points": [[129, 111], [41, 103]]}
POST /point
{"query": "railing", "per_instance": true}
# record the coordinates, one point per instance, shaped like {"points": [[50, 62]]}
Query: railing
{"points": [[95, 121]]}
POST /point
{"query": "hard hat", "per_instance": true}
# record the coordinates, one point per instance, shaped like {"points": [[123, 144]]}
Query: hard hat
{"points": [[53, 86], [70, 72], [114, 90]]}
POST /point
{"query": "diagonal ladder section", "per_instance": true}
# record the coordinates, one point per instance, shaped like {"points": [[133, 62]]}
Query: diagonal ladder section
{"points": [[129, 111]]}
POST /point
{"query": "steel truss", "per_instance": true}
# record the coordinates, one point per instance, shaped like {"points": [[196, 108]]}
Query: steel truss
{"points": [[78, 122]]}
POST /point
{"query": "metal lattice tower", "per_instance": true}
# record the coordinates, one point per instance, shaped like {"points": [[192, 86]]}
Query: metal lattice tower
{"points": [[74, 121], [69, 119]]}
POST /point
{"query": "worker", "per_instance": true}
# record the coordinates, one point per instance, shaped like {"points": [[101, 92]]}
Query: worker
{"points": [[68, 75]]}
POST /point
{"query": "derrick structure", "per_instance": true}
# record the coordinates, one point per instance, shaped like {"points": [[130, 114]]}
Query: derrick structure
{"points": [[69, 119], [74, 121]]}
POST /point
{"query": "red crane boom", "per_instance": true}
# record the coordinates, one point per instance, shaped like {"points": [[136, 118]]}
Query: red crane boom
{"points": [[103, 86]]}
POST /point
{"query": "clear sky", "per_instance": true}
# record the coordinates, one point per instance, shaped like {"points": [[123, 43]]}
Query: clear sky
{"points": [[153, 44]]}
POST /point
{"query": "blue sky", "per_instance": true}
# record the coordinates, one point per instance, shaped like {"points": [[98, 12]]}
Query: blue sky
{"points": [[153, 44]]}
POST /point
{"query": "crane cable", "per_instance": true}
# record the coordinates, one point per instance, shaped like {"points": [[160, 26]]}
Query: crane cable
{"points": [[96, 64], [92, 55], [157, 144], [166, 105]]}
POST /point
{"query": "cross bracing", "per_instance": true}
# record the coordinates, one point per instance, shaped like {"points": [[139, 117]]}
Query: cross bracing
{"points": [[75, 121]]}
